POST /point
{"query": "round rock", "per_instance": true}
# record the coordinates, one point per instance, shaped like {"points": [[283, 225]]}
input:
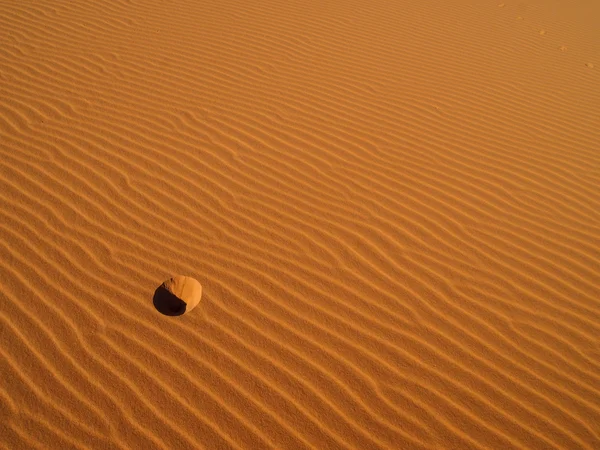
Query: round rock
{"points": [[178, 295]]}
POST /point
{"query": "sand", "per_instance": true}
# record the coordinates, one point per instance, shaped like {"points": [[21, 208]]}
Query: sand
{"points": [[393, 208]]}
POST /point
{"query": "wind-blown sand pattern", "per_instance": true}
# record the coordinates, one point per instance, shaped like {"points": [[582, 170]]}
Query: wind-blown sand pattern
{"points": [[393, 208]]}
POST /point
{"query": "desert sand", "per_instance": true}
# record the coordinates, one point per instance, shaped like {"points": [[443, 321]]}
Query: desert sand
{"points": [[392, 207]]}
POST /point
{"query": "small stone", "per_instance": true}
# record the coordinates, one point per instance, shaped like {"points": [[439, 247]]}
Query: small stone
{"points": [[563, 48], [589, 65], [542, 32], [178, 295]]}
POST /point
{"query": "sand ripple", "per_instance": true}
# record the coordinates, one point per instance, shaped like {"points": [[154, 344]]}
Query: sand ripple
{"points": [[392, 208]]}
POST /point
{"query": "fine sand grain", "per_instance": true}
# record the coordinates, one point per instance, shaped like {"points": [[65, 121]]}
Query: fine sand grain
{"points": [[393, 207]]}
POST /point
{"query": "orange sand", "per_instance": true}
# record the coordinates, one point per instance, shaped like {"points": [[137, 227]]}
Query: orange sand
{"points": [[393, 208]]}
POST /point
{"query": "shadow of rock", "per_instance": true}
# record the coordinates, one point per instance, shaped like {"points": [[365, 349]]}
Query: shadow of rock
{"points": [[168, 304]]}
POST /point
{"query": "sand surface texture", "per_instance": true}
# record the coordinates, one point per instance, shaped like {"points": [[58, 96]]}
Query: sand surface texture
{"points": [[393, 207]]}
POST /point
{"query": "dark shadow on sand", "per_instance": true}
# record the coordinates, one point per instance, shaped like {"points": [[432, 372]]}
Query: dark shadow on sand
{"points": [[168, 304]]}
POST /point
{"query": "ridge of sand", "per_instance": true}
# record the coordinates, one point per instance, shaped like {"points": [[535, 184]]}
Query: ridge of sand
{"points": [[392, 208]]}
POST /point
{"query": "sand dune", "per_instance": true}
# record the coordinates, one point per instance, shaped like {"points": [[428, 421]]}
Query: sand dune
{"points": [[392, 208]]}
